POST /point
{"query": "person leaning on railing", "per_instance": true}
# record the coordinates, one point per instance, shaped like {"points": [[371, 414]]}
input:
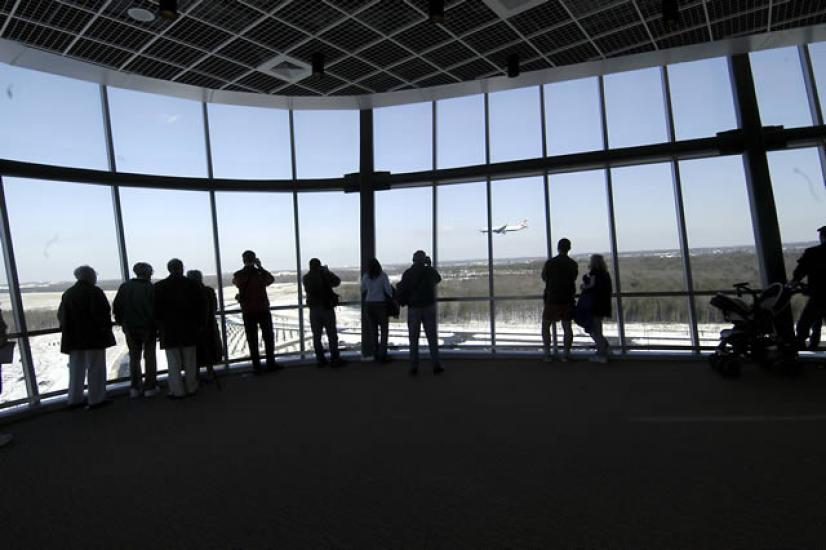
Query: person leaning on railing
{"points": [[133, 309], [812, 267]]}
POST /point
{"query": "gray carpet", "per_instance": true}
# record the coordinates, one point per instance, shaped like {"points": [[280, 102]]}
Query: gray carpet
{"points": [[494, 454]]}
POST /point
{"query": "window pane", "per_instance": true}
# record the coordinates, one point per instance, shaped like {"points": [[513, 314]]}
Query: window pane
{"points": [[515, 125], [656, 322], [646, 225], [573, 121], [14, 385], [163, 224], [518, 323], [55, 228], [285, 331], [460, 131], [156, 134], [464, 324], [718, 223], [263, 223], [37, 127], [519, 244], [781, 93], [250, 142], [635, 108], [579, 212], [800, 196], [403, 225], [701, 98], [329, 229], [404, 137], [326, 143], [463, 246]]}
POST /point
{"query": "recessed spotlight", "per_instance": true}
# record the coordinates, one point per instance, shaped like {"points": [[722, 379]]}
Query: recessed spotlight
{"points": [[168, 9], [142, 15]]}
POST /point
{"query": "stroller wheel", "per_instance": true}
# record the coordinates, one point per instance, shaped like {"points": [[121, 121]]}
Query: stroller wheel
{"points": [[729, 367]]}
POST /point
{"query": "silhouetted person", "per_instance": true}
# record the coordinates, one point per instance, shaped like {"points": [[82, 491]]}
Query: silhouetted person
{"points": [[252, 282], [133, 309], [86, 326], [560, 274], [208, 351], [812, 267], [417, 290], [376, 290], [814, 339], [319, 283], [179, 314], [598, 282]]}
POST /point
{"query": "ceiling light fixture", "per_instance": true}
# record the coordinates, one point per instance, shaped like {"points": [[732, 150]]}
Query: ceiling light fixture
{"points": [[671, 13], [142, 15], [317, 62], [168, 9], [436, 11], [513, 65]]}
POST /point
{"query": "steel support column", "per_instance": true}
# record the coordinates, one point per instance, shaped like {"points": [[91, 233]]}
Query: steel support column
{"points": [[116, 207], [367, 203], [758, 177], [17, 300], [814, 99], [492, 308], [299, 288]]}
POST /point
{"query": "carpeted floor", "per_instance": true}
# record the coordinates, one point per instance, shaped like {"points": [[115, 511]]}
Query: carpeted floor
{"points": [[494, 454]]}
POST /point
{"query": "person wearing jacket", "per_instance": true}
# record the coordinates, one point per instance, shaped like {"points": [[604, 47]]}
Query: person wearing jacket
{"points": [[598, 282], [179, 315], [133, 309], [86, 331], [376, 289], [417, 290], [319, 283], [252, 282], [208, 351], [812, 267]]}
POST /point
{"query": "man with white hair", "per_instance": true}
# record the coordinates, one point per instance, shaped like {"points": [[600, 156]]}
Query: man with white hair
{"points": [[133, 309], [86, 326], [179, 307]]}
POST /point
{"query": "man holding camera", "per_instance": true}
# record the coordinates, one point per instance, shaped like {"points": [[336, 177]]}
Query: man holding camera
{"points": [[319, 283], [252, 282]]}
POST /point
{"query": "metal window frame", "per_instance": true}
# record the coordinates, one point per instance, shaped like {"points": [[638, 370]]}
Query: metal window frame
{"points": [[606, 158]]}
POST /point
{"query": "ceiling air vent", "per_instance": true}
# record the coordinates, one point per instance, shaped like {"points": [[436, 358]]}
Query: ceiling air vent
{"points": [[509, 8], [286, 68]]}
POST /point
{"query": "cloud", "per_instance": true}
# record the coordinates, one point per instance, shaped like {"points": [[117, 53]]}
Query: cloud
{"points": [[170, 119]]}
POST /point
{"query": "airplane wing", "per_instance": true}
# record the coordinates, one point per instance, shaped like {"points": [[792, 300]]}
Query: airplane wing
{"points": [[499, 229]]}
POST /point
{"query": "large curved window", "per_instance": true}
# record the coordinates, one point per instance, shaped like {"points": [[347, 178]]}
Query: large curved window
{"points": [[635, 108], [460, 131], [155, 134], [781, 92], [404, 137], [701, 98], [573, 117], [250, 142], [50, 119], [326, 143], [515, 125]]}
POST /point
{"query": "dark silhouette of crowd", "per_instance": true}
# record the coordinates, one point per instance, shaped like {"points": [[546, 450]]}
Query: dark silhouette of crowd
{"points": [[180, 312]]}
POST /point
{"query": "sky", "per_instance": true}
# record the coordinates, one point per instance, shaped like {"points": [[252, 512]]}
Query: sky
{"points": [[56, 226]]}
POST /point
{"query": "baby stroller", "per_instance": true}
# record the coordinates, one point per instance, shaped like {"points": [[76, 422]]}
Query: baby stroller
{"points": [[756, 334]]}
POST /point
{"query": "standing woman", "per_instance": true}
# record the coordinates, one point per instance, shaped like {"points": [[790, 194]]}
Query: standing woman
{"points": [[598, 281], [208, 351], [376, 290]]}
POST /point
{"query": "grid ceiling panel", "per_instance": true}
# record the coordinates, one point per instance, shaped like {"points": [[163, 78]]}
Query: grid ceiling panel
{"points": [[309, 15], [413, 69], [384, 54], [492, 38], [97, 53], [350, 35], [387, 16], [559, 38], [352, 69], [245, 52], [374, 45], [276, 35], [545, 15], [174, 52]]}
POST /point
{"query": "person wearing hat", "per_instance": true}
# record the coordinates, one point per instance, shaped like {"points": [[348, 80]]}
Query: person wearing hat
{"points": [[417, 290], [812, 266], [133, 309]]}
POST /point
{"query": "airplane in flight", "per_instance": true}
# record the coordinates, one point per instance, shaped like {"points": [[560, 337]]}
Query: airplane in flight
{"points": [[504, 229]]}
